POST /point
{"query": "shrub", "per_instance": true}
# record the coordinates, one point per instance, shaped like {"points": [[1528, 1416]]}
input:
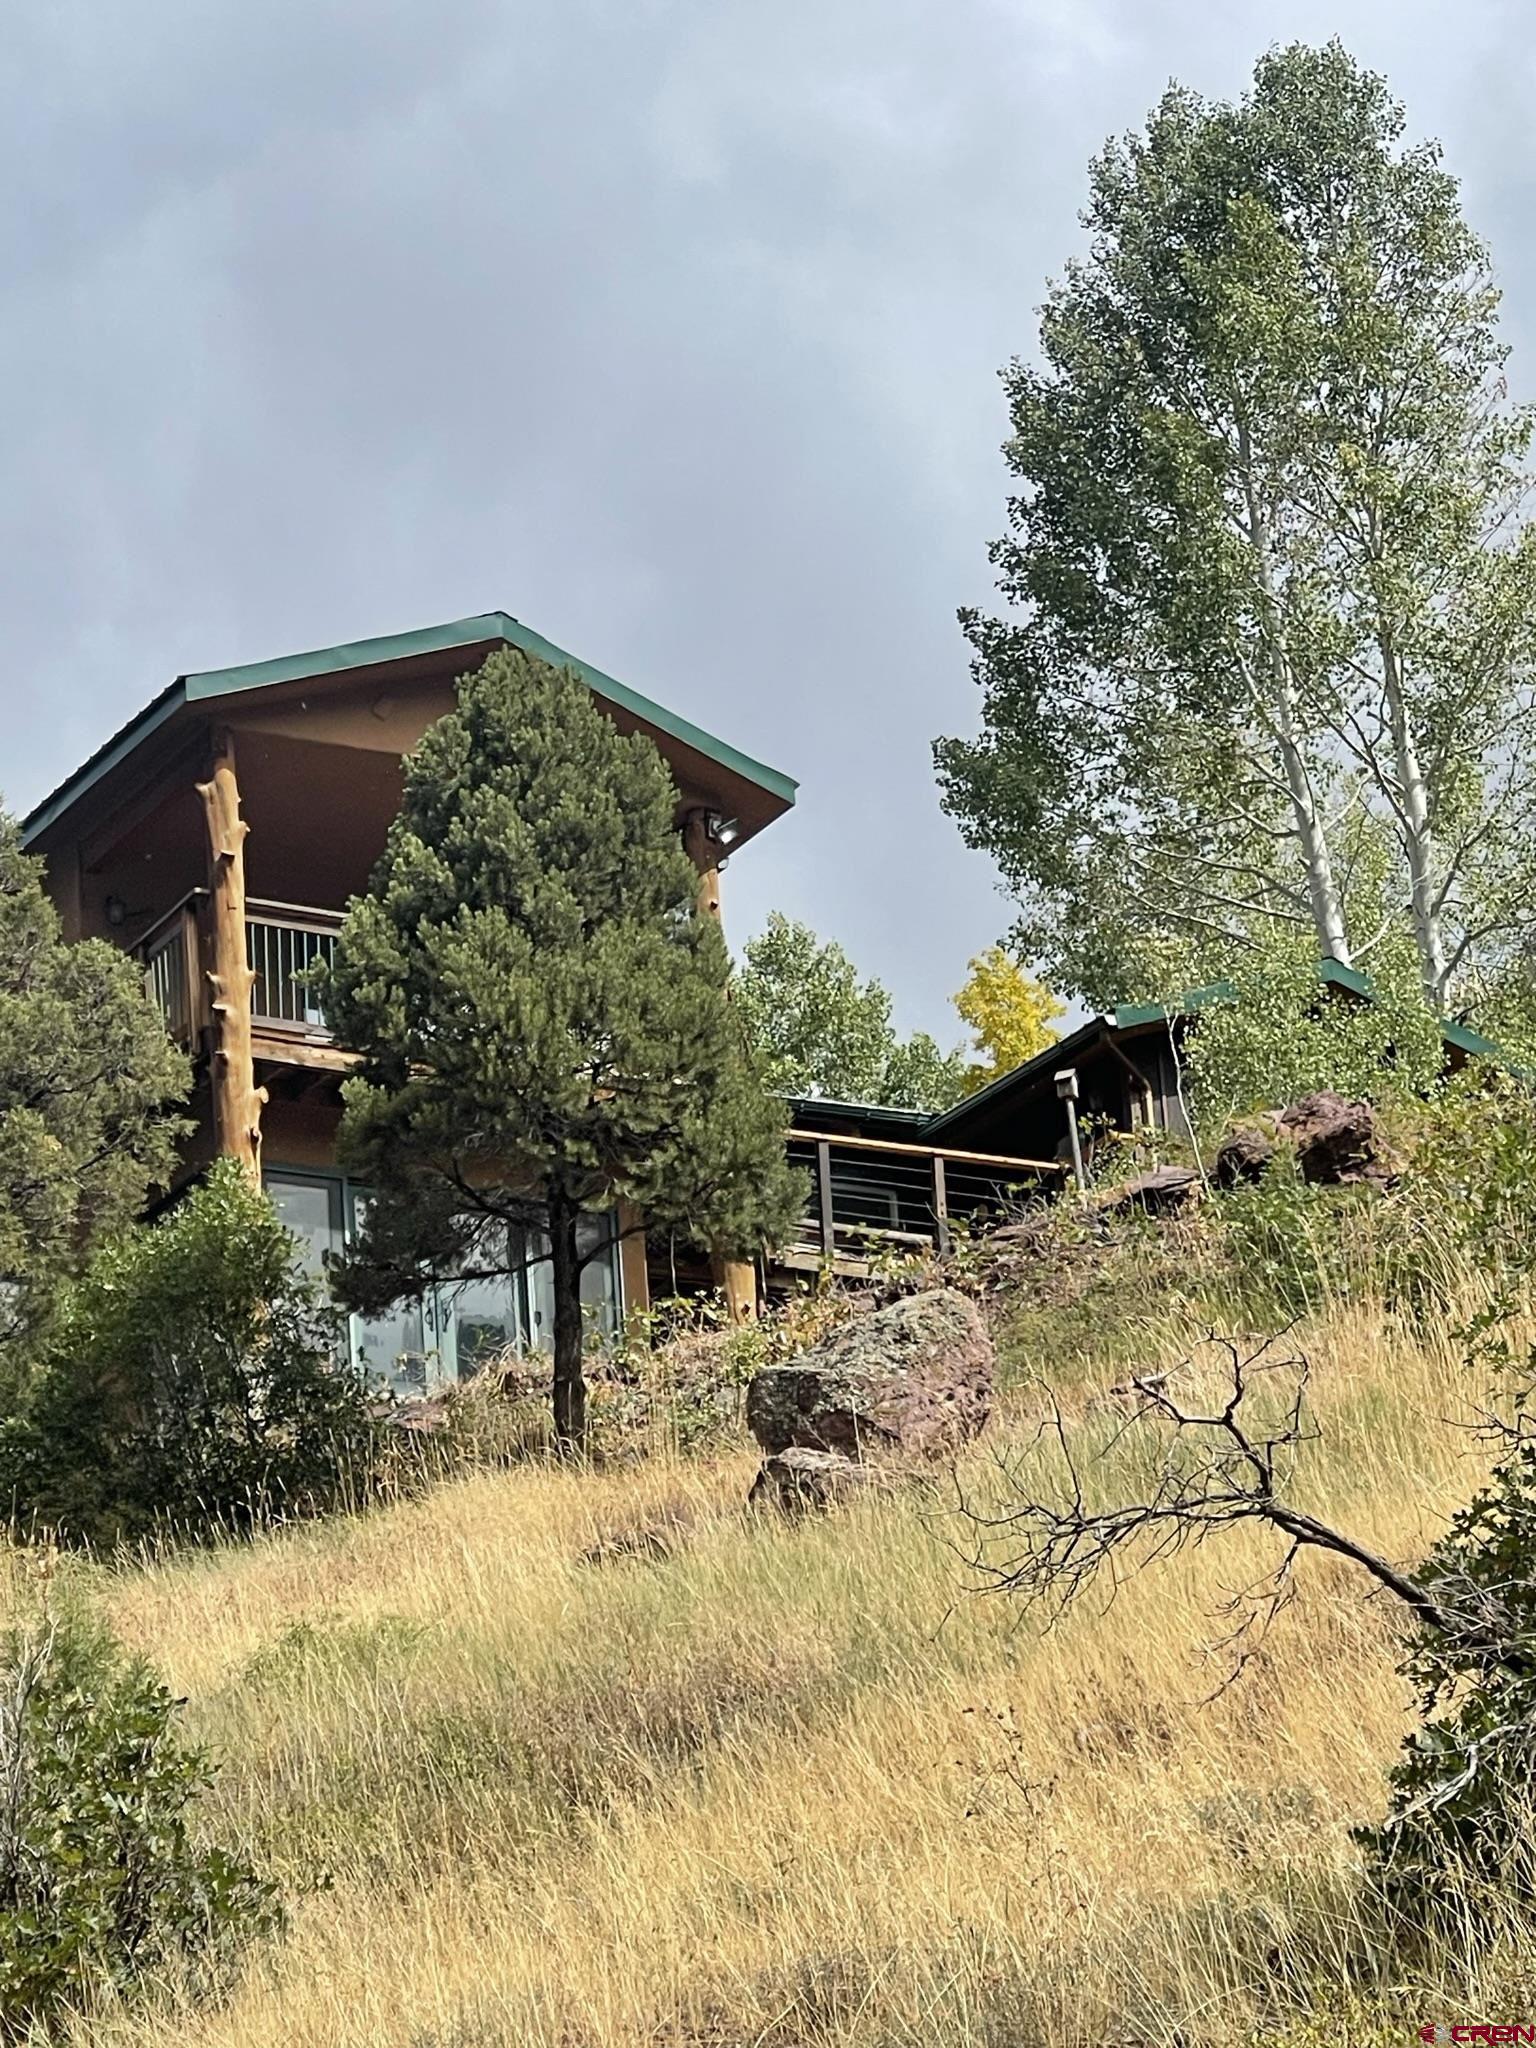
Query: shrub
{"points": [[195, 1380], [104, 1878], [1285, 1033], [1458, 1838]]}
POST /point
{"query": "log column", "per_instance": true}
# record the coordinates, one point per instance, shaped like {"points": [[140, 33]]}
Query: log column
{"points": [[237, 1101], [735, 1278]]}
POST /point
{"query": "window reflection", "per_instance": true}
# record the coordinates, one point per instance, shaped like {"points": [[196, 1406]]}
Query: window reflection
{"points": [[461, 1327]]}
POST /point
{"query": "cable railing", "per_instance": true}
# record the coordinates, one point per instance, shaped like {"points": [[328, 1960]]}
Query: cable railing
{"points": [[869, 1196]]}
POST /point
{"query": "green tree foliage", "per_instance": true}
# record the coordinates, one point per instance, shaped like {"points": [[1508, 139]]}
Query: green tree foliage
{"points": [[88, 1089], [823, 1031], [193, 1381], [1271, 593], [542, 1013], [104, 1877], [1286, 1032]]}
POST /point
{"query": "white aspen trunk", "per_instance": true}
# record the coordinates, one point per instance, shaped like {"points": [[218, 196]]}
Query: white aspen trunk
{"points": [[1322, 886], [1418, 834]]}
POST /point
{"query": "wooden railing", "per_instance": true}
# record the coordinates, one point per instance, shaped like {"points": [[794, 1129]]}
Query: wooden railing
{"points": [[869, 1195], [283, 942], [171, 953]]}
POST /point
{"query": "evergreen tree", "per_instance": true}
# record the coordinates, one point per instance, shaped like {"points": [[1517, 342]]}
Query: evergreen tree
{"points": [[89, 1085], [542, 1014]]}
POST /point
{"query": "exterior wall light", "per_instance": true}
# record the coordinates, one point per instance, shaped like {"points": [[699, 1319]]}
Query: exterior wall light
{"points": [[723, 831]]}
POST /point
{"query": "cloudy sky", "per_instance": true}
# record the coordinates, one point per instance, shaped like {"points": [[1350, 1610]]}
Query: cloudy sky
{"points": [[671, 326]]}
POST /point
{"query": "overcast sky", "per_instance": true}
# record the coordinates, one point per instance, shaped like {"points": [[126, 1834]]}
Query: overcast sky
{"points": [[670, 326]]}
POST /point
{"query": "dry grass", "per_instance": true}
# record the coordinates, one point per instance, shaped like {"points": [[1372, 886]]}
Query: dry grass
{"points": [[599, 1760]]}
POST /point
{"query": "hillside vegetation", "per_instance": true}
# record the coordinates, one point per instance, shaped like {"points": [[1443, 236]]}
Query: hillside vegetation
{"points": [[578, 1759]]}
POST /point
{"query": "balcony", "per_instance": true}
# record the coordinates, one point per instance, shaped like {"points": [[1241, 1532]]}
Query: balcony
{"points": [[284, 942], [870, 1197]]}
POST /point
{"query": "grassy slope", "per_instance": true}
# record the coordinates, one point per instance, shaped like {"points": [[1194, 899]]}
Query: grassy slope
{"points": [[783, 1786]]}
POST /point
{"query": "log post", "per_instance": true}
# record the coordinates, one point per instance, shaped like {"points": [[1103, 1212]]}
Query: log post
{"points": [[237, 1101], [735, 1278]]}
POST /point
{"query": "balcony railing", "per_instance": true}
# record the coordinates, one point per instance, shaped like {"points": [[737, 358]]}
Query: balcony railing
{"points": [[171, 952], [868, 1196], [283, 943]]}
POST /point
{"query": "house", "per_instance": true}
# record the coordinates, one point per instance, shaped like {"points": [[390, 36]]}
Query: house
{"points": [[218, 837], [899, 1178]]}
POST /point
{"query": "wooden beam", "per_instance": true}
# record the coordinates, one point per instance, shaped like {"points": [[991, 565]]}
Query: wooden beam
{"points": [[940, 1204], [735, 1278], [929, 1152], [701, 851], [237, 1101], [824, 1199], [299, 1052]]}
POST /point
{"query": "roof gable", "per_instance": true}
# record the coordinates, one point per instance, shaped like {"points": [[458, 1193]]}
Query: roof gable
{"points": [[208, 685]]}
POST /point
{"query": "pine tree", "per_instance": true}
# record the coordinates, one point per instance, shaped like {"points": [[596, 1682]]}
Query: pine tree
{"points": [[89, 1086], [542, 1014]]}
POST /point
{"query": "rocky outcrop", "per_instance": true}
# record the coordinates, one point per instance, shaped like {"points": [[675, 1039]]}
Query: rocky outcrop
{"points": [[1166, 1191], [799, 1481], [1243, 1156], [1338, 1142], [914, 1378]]}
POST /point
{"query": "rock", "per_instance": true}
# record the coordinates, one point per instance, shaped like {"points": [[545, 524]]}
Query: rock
{"points": [[798, 1481], [1163, 1192], [1243, 1156], [1338, 1143], [913, 1378]]}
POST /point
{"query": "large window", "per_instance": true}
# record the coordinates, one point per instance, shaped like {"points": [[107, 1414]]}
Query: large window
{"points": [[452, 1331]]}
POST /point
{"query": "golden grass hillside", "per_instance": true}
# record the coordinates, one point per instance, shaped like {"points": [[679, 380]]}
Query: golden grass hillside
{"points": [[553, 1759]]}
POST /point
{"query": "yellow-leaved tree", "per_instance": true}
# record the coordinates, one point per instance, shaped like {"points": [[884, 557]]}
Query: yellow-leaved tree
{"points": [[1012, 1016]]}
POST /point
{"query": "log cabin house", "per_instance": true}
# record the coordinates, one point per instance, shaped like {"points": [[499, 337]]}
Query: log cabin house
{"points": [[219, 835]]}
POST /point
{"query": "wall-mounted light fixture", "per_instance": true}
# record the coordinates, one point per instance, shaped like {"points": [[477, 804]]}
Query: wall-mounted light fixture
{"points": [[723, 831], [118, 914]]}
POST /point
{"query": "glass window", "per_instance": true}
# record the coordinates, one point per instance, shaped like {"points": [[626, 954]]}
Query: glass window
{"points": [[597, 1241], [311, 1209], [598, 1245], [392, 1348], [458, 1329], [483, 1318]]}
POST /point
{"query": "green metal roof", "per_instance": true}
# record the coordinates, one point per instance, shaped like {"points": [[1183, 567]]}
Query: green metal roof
{"points": [[228, 682], [1128, 1016]]}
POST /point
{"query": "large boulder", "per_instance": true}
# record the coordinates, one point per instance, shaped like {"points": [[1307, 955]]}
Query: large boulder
{"points": [[914, 1378], [1165, 1191], [1338, 1142], [1243, 1156], [799, 1482]]}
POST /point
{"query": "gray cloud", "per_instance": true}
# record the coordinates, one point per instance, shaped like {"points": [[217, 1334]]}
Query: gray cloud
{"points": [[670, 325]]}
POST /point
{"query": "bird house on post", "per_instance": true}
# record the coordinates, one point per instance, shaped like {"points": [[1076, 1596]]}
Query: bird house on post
{"points": [[1066, 1089]]}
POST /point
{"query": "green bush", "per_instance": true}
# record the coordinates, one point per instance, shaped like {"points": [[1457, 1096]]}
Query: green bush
{"points": [[104, 1879], [195, 1382], [1285, 1032], [1458, 1838]]}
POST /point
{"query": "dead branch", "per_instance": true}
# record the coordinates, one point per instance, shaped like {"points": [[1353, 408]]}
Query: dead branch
{"points": [[1217, 1467]]}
